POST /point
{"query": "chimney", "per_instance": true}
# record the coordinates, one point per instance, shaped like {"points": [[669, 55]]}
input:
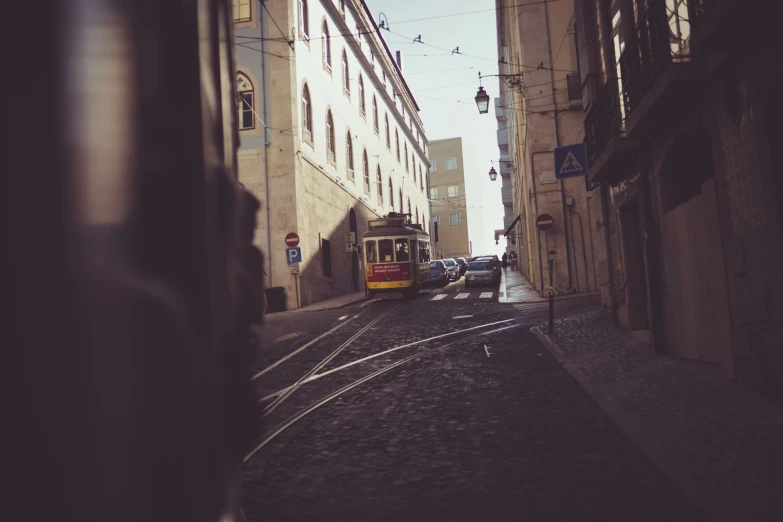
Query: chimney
{"points": [[399, 60]]}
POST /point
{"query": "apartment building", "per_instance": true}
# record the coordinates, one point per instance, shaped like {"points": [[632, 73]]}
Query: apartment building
{"points": [[448, 198]]}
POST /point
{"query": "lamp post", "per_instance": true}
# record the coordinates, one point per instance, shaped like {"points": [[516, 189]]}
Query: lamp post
{"points": [[513, 81], [482, 101], [493, 175]]}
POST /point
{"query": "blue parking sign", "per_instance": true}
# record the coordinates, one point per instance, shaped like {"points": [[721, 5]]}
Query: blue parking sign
{"points": [[293, 255], [571, 161]]}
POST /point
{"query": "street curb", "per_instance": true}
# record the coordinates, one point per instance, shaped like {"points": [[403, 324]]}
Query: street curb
{"points": [[618, 420]]}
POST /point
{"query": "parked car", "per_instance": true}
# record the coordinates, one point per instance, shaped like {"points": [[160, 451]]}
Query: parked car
{"points": [[439, 274], [482, 271], [453, 268], [463, 265]]}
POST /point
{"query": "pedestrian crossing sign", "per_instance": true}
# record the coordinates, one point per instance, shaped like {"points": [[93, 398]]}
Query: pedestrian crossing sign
{"points": [[570, 161]]}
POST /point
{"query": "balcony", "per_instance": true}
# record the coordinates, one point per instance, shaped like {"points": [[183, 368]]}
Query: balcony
{"points": [[505, 165], [507, 195], [660, 78], [502, 137], [731, 25], [609, 151], [500, 112]]}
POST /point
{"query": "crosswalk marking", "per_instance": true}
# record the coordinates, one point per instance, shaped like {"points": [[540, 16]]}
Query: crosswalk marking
{"points": [[485, 295], [462, 296], [439, 297]]}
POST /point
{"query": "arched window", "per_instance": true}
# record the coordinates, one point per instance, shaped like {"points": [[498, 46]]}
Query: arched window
{"points": [[375, 113], [417, 215], [241, 10], [401, 203], [379, 182], [349, 157], [421, 177], [246, 97], [397, 140], [366, 171], [409, 206], [346, 76], [413, 162], [307, 115], [391, 194], [407, 167], [329, 137], [326, 47], [388, 133], [361, 95], [304, 24]]}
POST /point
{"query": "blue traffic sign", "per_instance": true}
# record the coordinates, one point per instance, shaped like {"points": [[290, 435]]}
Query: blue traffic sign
{"points": [[571, 161], [293, 255]]}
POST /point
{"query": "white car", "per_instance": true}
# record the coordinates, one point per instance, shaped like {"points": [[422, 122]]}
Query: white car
{"points": [[453, 268]]}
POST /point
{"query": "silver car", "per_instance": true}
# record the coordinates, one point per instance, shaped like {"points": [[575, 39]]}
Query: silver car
{"points": [[482, 271], [453, 268]]}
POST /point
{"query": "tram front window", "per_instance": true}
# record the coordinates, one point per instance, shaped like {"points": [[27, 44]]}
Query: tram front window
{"points": [[386, 250], [372, 252], [403, 254]]}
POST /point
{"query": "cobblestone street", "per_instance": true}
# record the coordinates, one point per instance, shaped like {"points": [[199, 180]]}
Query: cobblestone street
{"points": [[483, 425]]}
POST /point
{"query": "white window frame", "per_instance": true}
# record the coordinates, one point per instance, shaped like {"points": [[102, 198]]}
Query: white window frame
{"points": [[452, 191], [237, 7], [304, 23], [454, 164], [451, 219], [434, 193], [433, 165]]}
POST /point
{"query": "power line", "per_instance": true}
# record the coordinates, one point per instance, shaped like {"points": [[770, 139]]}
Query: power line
{"points": [[475, 12]]}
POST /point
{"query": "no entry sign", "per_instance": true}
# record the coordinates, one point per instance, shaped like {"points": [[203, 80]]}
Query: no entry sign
{"points": [[544, 222], [292, 239]]}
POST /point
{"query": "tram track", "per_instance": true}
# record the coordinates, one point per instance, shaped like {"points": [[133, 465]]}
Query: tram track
{"points": [[326, 360], [314, 377], [290, 421]]}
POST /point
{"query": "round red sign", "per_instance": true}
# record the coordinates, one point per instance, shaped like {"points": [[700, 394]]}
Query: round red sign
{"points": [[292, 239], [544, 222]]}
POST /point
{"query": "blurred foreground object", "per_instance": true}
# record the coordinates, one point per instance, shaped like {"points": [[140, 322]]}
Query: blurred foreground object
{"points": [[132, 283]]}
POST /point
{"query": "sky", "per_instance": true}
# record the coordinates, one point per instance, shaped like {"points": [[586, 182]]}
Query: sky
{"points": [[444, 85]]}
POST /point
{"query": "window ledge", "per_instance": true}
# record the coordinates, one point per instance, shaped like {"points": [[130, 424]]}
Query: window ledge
{"points": [[347, 93], [327, 68]]}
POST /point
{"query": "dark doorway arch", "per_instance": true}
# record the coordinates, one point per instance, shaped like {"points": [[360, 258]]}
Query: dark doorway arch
{"points": [[354, 255]]}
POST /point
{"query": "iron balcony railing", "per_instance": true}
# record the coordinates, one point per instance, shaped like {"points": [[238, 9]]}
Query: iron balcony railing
{"points": [[604, 121], [652, 48], [698, 10]]}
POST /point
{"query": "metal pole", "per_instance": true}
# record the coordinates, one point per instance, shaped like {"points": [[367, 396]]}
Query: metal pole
{"points": [[296, 285], [551, 300]]}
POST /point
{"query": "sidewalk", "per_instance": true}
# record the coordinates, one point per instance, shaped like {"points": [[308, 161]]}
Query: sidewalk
{"points": [[721, 443], [514, 288], [326, 304]]}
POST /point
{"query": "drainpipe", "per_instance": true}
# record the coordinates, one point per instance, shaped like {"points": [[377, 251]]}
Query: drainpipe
{"points": [[557, 141], [266, 162]]}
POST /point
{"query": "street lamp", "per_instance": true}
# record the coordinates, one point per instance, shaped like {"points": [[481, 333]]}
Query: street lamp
{"points": [[513, 81], [482, 101], [493, 174]]}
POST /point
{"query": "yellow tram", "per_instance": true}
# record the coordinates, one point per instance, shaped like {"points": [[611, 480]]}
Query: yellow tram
{"points": [[397, 256]]}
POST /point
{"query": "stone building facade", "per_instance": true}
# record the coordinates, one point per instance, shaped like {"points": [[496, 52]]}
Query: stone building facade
{"points": [[538, 110], [683, 104], [448, 197], [337, 138]]}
